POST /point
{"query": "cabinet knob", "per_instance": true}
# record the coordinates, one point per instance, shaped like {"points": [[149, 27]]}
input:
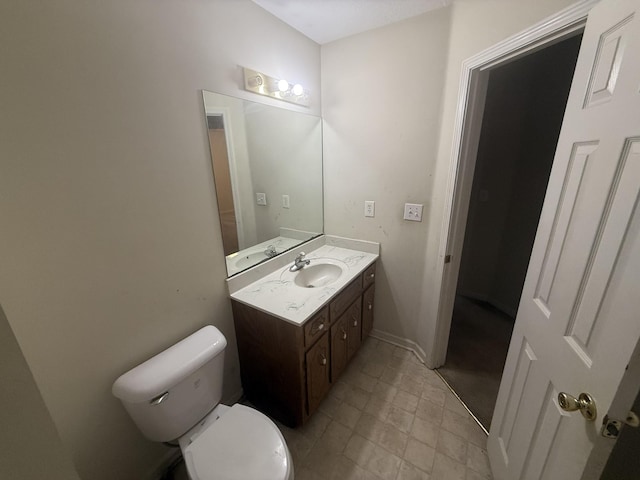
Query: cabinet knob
{"points": [[323, 359], [344, 334], [372, 275], [355, 323], [321, 326], [370, 306]]}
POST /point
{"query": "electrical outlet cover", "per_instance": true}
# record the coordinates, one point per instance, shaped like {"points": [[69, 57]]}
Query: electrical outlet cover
{"points": [[285, 201], [369, 208], [413, 212]]}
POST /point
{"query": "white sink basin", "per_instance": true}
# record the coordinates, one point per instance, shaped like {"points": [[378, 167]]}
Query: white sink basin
{"points": [[318, 275], [251, 259]]}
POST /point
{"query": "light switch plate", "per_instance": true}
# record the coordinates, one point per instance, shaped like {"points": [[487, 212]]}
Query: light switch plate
{"points": [[285, 201], [369, 208], [413, 212], [261, 198]]}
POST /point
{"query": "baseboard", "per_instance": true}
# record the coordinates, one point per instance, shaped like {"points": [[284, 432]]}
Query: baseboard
{"points": [[480, 297], [491, 301], [401, 342], [511, 312]]}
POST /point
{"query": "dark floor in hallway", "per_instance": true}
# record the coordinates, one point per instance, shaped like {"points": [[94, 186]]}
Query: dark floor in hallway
{"points": [[478, 345]]}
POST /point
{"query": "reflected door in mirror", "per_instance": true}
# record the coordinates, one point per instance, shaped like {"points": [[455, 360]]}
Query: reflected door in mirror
{"points": [[222, 180]]}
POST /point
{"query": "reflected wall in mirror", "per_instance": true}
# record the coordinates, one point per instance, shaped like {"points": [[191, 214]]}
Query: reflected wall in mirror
{"points": [[267, 169]]}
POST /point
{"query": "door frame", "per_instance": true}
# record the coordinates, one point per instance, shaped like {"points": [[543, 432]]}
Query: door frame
{"points": [[225, 113], [621, 405], [470, 108]]}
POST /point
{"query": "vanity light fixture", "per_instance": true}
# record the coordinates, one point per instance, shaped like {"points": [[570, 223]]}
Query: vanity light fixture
{"points": [[279, 88]]}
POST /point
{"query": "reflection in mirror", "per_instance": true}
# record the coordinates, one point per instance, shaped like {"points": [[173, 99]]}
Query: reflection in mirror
{"points": [[267, 168]]}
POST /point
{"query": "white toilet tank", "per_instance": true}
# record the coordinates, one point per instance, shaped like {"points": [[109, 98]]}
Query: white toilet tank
{"points": [[169, 393]]}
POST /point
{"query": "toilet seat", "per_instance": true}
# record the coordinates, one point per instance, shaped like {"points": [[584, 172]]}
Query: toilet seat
{"points": [[243, 444]]}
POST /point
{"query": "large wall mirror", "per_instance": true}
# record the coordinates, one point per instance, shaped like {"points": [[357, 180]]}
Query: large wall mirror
{"points": [[267, 168]]}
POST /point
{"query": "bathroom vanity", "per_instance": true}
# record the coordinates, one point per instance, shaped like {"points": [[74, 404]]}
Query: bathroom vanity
{"points": [[295, 338]]}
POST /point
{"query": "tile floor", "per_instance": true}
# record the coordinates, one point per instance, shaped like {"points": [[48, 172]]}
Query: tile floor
{"points": [[388, 417]]}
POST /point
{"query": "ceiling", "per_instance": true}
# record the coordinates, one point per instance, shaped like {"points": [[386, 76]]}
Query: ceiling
{"points": [[324, 21]]}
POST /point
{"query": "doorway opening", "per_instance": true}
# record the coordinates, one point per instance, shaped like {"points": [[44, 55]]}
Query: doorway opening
{"points": [[222, 181], [523, 112]]}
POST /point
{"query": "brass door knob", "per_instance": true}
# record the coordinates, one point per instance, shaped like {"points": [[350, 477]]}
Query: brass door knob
{"points": [[585, 403]]}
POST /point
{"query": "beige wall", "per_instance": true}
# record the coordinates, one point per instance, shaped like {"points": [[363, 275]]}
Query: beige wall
{"points": [[30, 445], [381, 94], [110, 246], [389, 102]]}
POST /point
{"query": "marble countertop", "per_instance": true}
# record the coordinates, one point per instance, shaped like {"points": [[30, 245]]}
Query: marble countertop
{"points": [[277, 294]]}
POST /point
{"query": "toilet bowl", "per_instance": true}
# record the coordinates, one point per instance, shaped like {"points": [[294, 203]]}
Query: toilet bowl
{"points": [[176, 395]]}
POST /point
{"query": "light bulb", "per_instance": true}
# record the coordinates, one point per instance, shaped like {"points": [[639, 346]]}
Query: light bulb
{"points": [[283, 85], [297, 89]]}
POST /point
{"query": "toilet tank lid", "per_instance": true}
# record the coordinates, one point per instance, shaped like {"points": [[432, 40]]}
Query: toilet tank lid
{"points": [[158, 374]]}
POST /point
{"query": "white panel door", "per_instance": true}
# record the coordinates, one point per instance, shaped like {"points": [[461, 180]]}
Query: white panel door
{"points": [[579, 316]]}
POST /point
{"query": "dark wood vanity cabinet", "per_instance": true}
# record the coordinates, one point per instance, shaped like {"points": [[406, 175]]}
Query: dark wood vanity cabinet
{"points": [[287, 369]]}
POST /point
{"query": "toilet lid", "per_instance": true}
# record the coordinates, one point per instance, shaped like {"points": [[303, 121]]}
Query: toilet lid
{"points": [[243, 444]]}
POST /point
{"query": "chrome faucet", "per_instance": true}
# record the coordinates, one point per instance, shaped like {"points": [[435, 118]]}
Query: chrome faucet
{"points": [[270, 251], [299, 263]]}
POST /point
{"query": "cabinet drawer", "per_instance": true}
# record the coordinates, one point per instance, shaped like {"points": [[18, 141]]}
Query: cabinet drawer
{"points": [[369, 275], [316, 327], [344, 298]]}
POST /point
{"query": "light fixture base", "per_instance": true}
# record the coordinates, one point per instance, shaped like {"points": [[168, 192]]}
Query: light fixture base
{"points": [[279, 88]]}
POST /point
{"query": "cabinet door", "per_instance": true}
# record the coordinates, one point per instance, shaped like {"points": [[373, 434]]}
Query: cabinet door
{"points": [[339, 347], [318, 382], [354, 322], [367, 310]]}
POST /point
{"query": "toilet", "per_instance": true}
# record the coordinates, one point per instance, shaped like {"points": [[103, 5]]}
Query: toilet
{"points": [[176, 395]]}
